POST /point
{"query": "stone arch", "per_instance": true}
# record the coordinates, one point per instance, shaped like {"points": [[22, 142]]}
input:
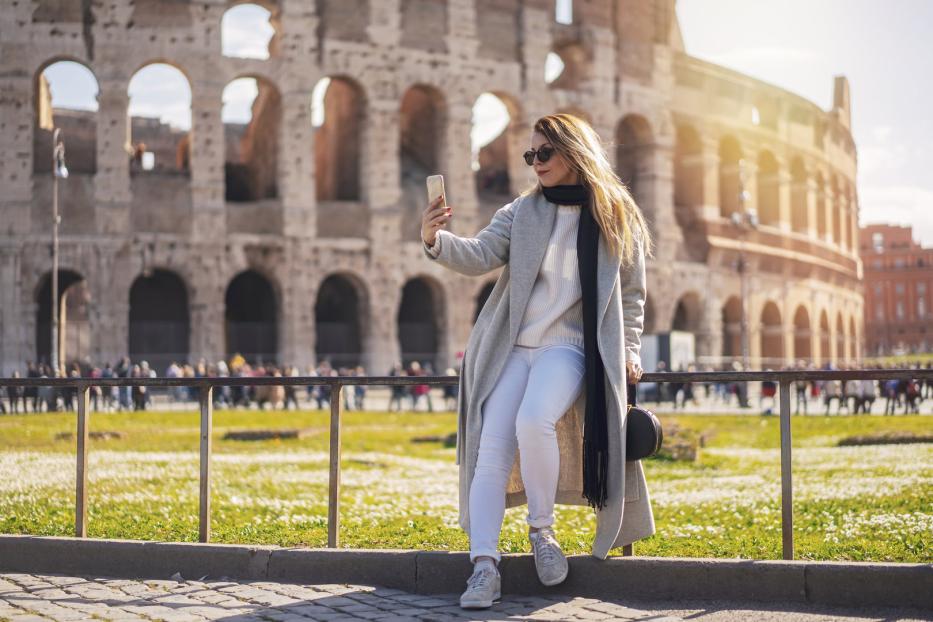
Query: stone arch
{"points": [[688, 313], [251, 315], [732, 328], [772, 335], [567, 65], [688, 168], [825, 352], [72, 109], [159, 135], [799, 186], [730, 182], [421, 322], [802, 334], [422, 124], [482, 297], [496, 147], [634, 143], [768, 182], [252, 117], [159, 319], [248, 30], [74, 300], [341, 314], [338, 113]]}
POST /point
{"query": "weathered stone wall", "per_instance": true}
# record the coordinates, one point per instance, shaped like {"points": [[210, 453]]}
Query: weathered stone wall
{"points": [[117, 225]]}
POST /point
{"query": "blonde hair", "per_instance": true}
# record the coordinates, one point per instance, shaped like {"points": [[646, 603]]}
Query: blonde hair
{"points": [[614, 209]]}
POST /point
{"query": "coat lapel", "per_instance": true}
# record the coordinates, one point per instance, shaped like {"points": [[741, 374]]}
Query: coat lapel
{"points": [[607, 271], [531, 230]]}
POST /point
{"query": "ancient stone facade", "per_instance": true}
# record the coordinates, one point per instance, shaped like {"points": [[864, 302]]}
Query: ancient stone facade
{"points": [[302, 242]]}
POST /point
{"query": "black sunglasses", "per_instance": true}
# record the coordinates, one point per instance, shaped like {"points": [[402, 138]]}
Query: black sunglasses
{"points": [[544, 154]]}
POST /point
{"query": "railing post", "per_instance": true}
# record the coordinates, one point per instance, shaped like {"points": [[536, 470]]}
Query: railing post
{"points": [[81, 479], [628, 550], [333, 504], [787, 494], [207, 415]]}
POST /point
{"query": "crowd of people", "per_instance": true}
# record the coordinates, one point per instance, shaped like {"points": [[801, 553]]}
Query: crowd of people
{"points": [[15, 399], [854, 396]]}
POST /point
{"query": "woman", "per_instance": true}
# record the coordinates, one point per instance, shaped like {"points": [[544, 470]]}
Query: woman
{"points": [[565, 314]]}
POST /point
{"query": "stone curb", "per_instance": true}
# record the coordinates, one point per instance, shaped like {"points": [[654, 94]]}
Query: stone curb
{"points": [[435, 572]]}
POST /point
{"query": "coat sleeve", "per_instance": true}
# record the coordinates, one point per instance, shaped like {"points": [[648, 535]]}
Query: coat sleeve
{"points": [[486, 251], [633, 302]]}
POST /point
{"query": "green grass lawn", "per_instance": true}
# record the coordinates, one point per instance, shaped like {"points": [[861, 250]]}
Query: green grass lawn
{"points": [[856, 503]]}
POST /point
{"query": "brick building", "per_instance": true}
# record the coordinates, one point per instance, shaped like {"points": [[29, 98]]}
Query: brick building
{"points": [[294, 242], [898, 291]]}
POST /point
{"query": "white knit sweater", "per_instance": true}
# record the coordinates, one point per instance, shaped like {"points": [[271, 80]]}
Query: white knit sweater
{"points": [[554, 314], [555, 310]]}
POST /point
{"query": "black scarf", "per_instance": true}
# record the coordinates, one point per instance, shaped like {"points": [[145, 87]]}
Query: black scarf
{"points": [[595, 428]]}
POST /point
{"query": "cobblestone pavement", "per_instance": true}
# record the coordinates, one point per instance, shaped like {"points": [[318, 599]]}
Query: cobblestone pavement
{"points": [[28, 597]]}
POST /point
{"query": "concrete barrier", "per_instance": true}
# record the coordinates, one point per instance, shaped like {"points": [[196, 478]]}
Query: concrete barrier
{"points": [[434, 572]]}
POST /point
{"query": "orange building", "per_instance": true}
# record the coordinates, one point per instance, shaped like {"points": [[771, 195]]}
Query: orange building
{"points": [[898, 284]]}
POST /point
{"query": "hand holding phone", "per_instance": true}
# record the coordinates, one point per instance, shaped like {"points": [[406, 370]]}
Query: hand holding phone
{"points": [[437, 213]]}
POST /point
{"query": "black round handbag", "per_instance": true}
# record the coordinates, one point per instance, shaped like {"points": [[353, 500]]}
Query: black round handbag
{"points": [[643, 436]]}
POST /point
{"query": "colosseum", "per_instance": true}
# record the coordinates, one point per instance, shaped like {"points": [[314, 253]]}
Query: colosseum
{"points": [[293, 240]]}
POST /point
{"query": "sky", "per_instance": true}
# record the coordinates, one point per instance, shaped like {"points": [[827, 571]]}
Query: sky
{"points": [[883, 47], [799, 45]]}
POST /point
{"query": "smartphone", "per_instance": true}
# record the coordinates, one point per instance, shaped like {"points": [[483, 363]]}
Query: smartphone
{"points": [[436, 189]]}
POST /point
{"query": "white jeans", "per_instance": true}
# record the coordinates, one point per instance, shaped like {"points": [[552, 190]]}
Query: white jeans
{"points": [[536, 387]]}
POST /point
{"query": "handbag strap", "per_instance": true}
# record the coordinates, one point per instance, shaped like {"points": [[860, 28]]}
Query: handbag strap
{"points": [[632, 393]]}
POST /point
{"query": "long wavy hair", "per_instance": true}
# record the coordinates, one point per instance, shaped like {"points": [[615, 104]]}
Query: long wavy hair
{"points": [[614, 209]]}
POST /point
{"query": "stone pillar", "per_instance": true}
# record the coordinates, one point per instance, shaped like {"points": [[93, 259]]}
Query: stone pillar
{"points": [[784, 196], [381, 349], [113, 196], [13, 344], [380, 170], [709, 160], [207, 310], [16, 140], [207, 160], [812, 211], [461, 29], [536, 43], [749, 172], [519, 137], [455, 162], [385, 22], [829, 204], [296, 166], [709, 337], [656, 190], [297, 330]]}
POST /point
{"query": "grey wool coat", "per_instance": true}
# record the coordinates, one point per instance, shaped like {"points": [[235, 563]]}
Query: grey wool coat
{"points": [[517, 238]]}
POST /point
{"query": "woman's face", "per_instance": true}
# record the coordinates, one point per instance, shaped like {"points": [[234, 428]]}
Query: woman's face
{"points": [[556, 171]]}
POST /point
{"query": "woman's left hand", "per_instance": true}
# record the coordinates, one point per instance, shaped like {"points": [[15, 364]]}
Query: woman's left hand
{"points": [[633, 372]]}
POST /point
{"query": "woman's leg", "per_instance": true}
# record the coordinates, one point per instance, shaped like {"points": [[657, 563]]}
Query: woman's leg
{"points": [[496, 454], [554, 383]]}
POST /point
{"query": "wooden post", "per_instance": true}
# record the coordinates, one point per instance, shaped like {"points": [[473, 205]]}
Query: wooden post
{"points": [[628, 550], [333, 504], [207, 414], [81, 479], [787, 491]]}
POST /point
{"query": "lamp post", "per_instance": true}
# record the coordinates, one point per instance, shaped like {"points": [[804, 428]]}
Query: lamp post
{"points": [[59, 171], [744, 220]]}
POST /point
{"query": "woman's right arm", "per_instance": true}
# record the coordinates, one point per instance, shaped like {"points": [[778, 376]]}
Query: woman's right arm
{"points": [[486, 251]]}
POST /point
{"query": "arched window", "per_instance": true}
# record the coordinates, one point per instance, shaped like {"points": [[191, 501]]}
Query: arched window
{"points": [[768, 189], [633, 156], [160, 120], [252, 116], [798, 196], [496, 151], [802, 334], [338, 114], [251, 318], [159, 320], [246, 31], [688, 168], [339, 319], [772, 336], [74, 300], [422, 124], [731, 185], [66, 98], [420, 321], [732, 329]]}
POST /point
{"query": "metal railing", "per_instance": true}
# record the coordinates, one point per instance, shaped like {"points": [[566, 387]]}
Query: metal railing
{"points": [[336, 383]]}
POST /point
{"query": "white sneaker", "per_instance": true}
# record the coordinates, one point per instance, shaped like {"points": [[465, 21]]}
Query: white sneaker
{"points": [[483, 588], [550, 561]]}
